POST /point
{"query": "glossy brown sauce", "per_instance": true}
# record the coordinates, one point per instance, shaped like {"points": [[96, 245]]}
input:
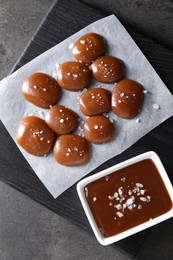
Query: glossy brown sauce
{"points": [[127, 198]]}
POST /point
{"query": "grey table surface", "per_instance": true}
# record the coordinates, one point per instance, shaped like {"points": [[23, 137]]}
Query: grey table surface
{"points": [[27, 229]]}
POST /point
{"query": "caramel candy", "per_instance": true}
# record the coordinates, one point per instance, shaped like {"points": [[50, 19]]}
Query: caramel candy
{"points": [[95, 101], [97, 129], [71, 150], [35, 136], [41, 90], [127, 98], [61, 120], [73, 75], [89, 47], [107, 69]]}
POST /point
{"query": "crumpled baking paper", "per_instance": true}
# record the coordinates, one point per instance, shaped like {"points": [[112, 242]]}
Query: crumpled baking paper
{"points": [[157, 107]]}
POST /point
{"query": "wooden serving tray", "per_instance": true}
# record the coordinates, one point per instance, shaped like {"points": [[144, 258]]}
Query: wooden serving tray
{"points": [[64, 19]]}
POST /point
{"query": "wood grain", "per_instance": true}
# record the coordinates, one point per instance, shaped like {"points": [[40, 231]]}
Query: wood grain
{"points": [[64, 19]]}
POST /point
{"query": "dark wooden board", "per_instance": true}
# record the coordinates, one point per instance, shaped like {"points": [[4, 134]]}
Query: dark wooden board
{"points": [[64, 19]]}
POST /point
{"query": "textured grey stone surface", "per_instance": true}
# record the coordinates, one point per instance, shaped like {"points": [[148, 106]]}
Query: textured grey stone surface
{"points": [[153, 17], [27, 229]]}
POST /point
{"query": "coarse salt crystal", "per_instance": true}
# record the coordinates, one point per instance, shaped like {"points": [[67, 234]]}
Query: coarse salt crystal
{"points": [[82, 41], [130, 192], [111, 120], [123, 179], [34, 86], [118, 206], [119, 101], [149, 198], [138, 120], [143, 199], [139, 185], [106, 178], [124, 205], [71, 45], [130, 201], [119, 214], [120, 191], [61, 120], [44, 89], [145, 91], [67, 154], [96, 127], [142, 192], [139, 206], [41, 138], [116, 194], [94, 198], [156, 106], [110, 197], [48, 141]]}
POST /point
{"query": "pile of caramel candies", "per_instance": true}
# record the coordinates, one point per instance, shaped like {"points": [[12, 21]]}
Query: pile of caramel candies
{"points": [[38, 137]]}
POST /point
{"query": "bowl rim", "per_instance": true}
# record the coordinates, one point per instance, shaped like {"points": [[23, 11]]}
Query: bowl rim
{"points": [[81, 193]]}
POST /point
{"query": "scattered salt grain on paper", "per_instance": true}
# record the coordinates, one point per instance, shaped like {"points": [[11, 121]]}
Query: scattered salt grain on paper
{"points": [[58, 178]]}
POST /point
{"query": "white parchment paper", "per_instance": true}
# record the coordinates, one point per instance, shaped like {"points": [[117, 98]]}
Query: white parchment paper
{"points": [[58, 178]]}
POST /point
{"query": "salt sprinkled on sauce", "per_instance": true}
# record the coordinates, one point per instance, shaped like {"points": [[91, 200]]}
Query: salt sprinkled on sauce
{"points": [[106, 178], [126, 200]]}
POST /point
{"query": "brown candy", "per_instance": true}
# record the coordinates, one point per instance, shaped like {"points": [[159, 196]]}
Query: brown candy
{"points": [[95, 101], [61, 120], [41, 90], [127, 98], [97, 129], [107, 69], [89, 47], [71, 150], [34, 136], [73, 75]]}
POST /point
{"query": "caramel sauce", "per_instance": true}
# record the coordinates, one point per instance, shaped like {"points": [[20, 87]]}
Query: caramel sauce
{"points": [[127, 198]]}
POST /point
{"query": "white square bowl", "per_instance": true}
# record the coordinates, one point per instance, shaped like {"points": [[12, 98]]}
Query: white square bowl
{"points": [[109, 240]]}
